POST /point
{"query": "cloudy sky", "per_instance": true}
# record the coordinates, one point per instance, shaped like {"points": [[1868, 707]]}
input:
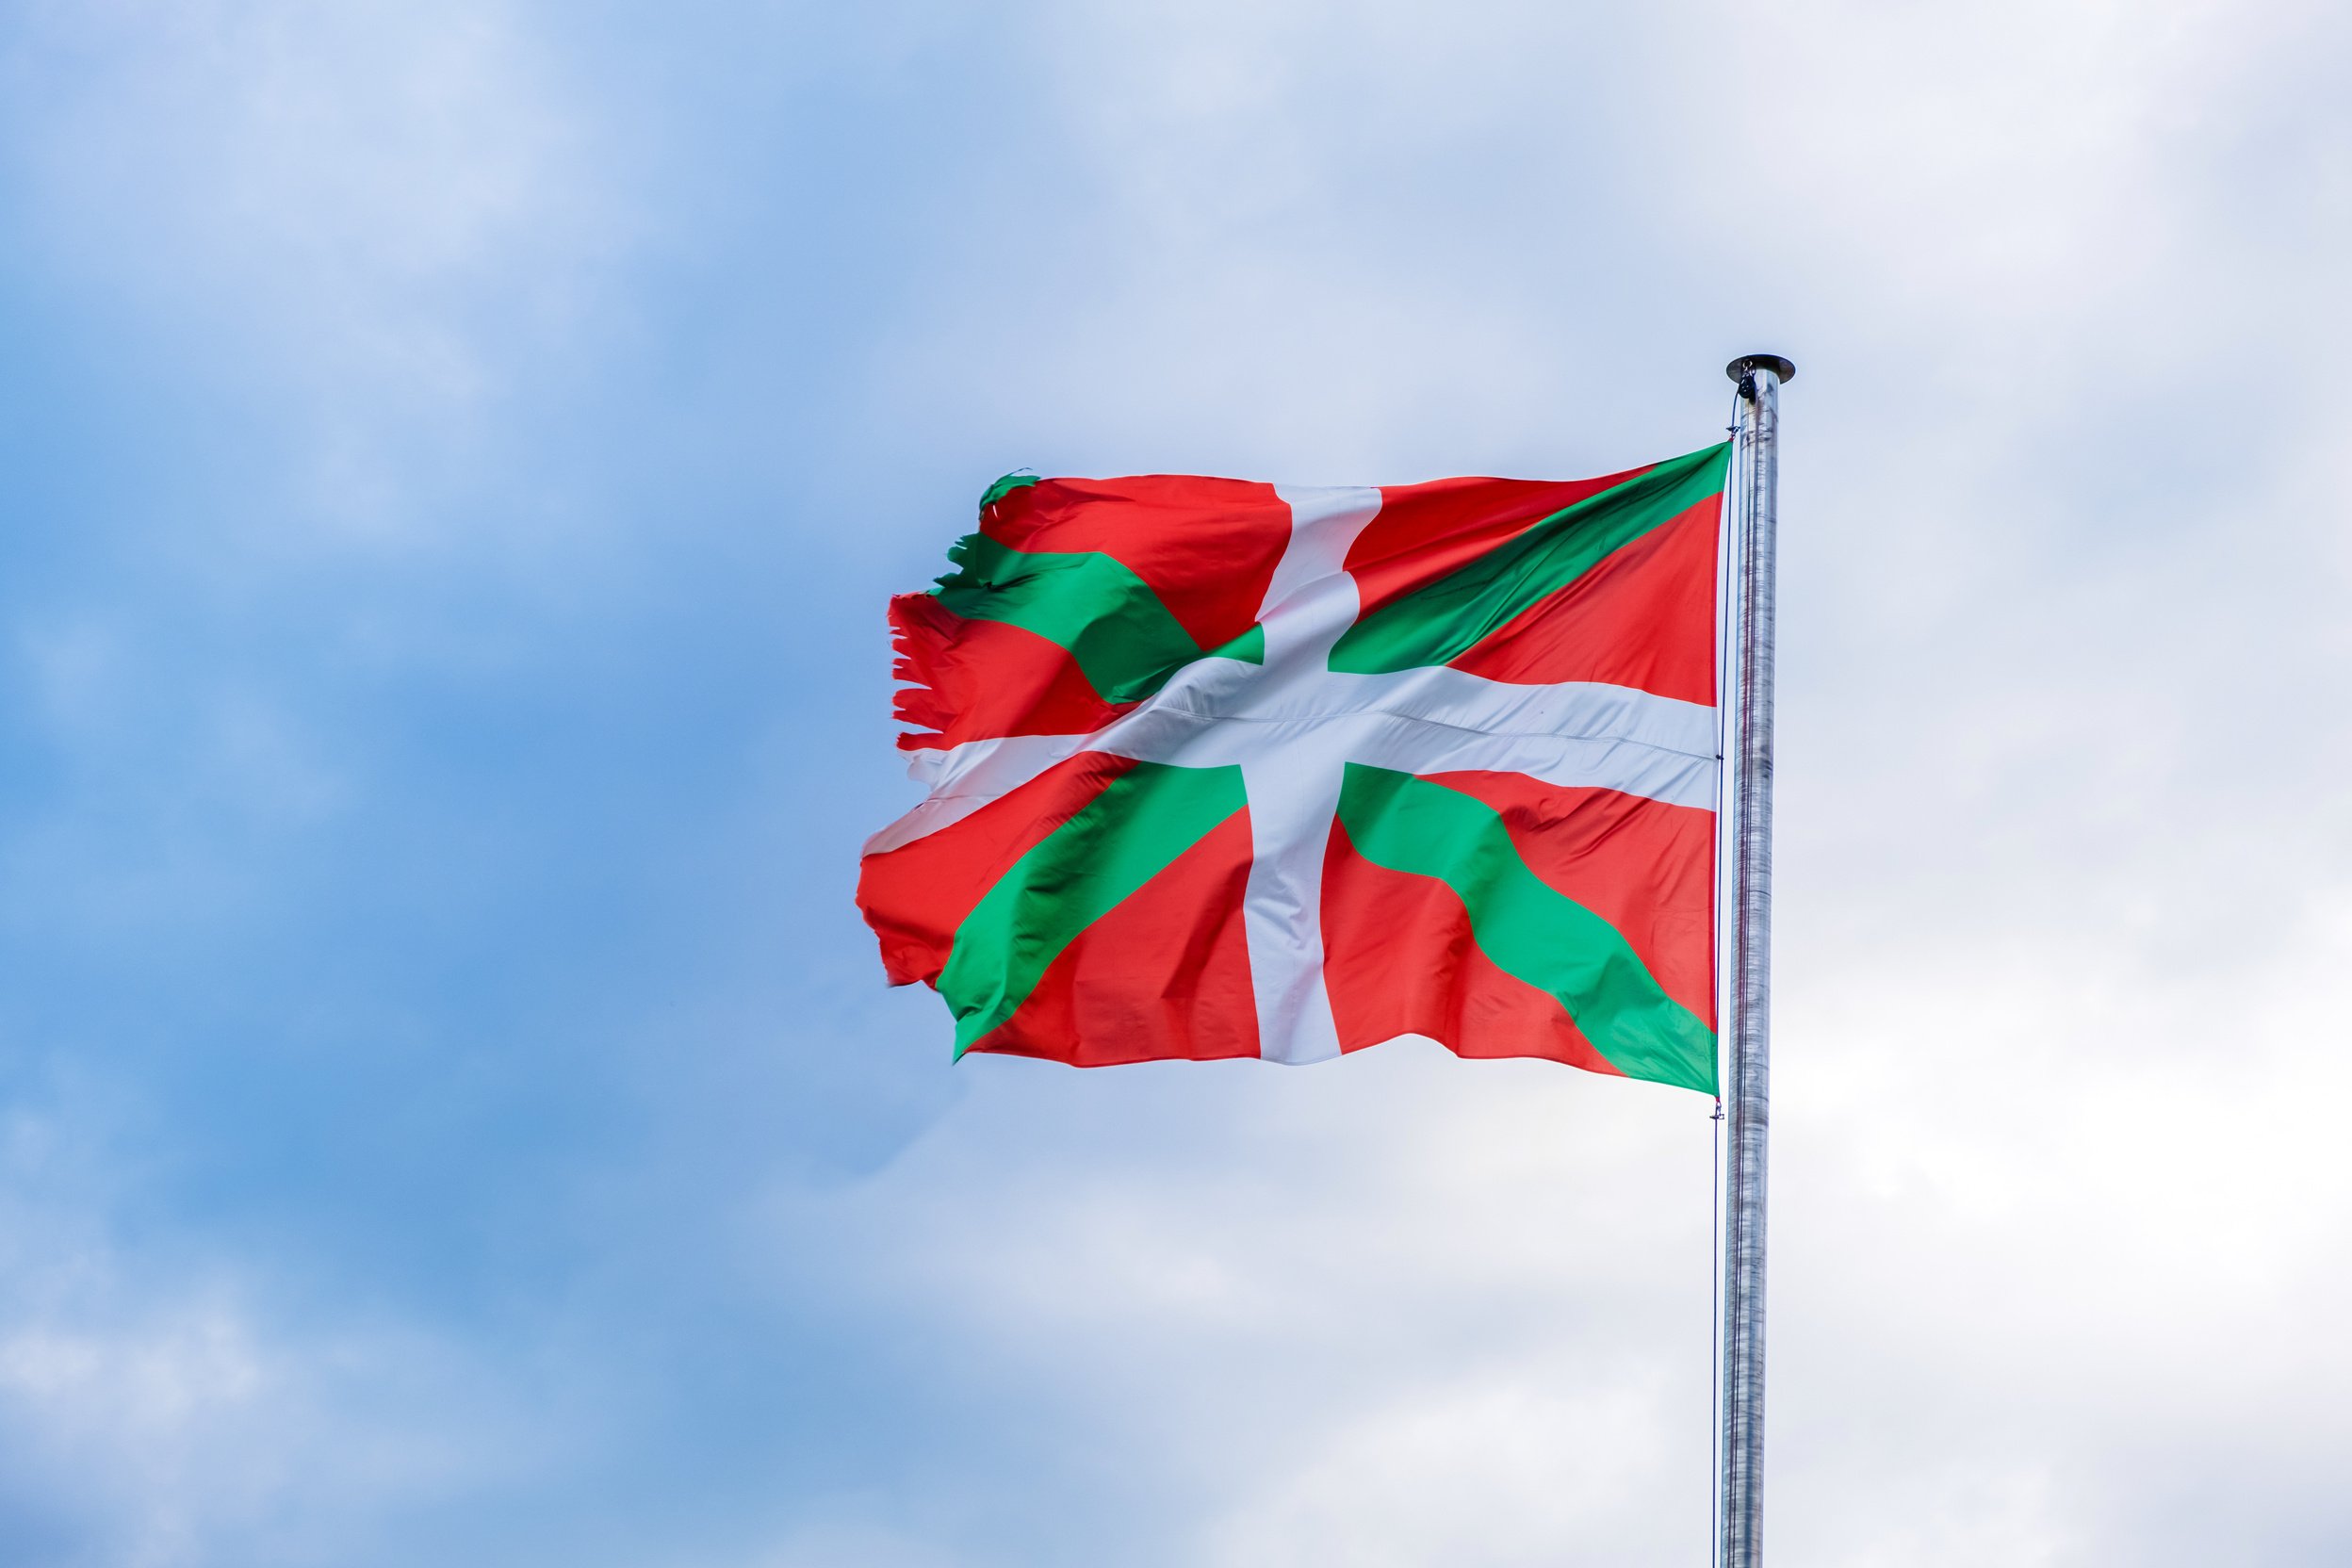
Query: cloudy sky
{"points": [[454, 454]]}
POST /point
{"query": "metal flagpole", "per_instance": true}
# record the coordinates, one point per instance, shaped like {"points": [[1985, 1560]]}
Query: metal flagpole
{"points": [[1759, 377]]}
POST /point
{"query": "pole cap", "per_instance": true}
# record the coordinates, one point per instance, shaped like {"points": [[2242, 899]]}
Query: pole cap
{"points": [[1738, 369]]}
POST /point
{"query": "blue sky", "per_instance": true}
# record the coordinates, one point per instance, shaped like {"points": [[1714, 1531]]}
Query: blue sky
{"points": [[455, 456]]}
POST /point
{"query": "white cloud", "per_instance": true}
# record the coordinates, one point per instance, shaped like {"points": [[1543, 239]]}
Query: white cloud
{"points": [[181, 1407], [1522, 1467], [372, 215], [179, 1431], [853, 1545]]}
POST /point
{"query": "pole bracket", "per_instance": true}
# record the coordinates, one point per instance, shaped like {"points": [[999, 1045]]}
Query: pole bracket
{"points": [[1784, 368], [1748, 364], [1739, 369], [1751, 363]]}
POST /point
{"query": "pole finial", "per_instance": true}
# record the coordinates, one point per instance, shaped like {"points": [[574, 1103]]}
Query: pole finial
{"points": [[1779, 365]]}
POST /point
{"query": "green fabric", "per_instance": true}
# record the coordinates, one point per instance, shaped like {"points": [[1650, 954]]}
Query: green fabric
{"points": [[1131, 832], [1449, 618], [1109, 619], [1250, 647], [1004, 487], [1528, 928]]}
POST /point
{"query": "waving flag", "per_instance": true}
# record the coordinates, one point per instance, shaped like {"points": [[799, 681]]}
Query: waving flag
{"points": [[1221, 769]]}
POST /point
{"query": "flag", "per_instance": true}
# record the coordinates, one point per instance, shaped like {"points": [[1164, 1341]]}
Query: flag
{"points": [[1225, 769]]}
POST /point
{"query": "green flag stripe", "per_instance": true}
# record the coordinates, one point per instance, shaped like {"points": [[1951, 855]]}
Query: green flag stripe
{"points": [[1450, 616], [1526, 927], [1004, 487], [1121, 634], [1131, 832]]}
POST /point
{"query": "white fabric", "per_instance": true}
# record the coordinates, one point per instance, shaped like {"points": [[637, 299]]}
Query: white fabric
{"points": [[1294, 787]]}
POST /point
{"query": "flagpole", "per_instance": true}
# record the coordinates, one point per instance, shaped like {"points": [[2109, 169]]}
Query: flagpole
{"points": [[1756, 523]]}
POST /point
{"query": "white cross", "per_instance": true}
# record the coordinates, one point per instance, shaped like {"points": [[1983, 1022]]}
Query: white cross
{"points": [[1292, 724]]}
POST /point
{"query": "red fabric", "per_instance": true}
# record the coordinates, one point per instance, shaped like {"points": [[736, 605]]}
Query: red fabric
{"points": [[1165, 976], [1444, 987], [1424, 531], [975, 679], [1207, 546], [916, 895], [1644, 616], [1646, 866]]}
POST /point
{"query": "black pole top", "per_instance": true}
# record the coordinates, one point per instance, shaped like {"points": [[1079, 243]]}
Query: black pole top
{"points": [[1738, 369]]}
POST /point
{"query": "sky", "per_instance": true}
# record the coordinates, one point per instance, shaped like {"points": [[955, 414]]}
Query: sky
{"points": [[454, 456]]}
